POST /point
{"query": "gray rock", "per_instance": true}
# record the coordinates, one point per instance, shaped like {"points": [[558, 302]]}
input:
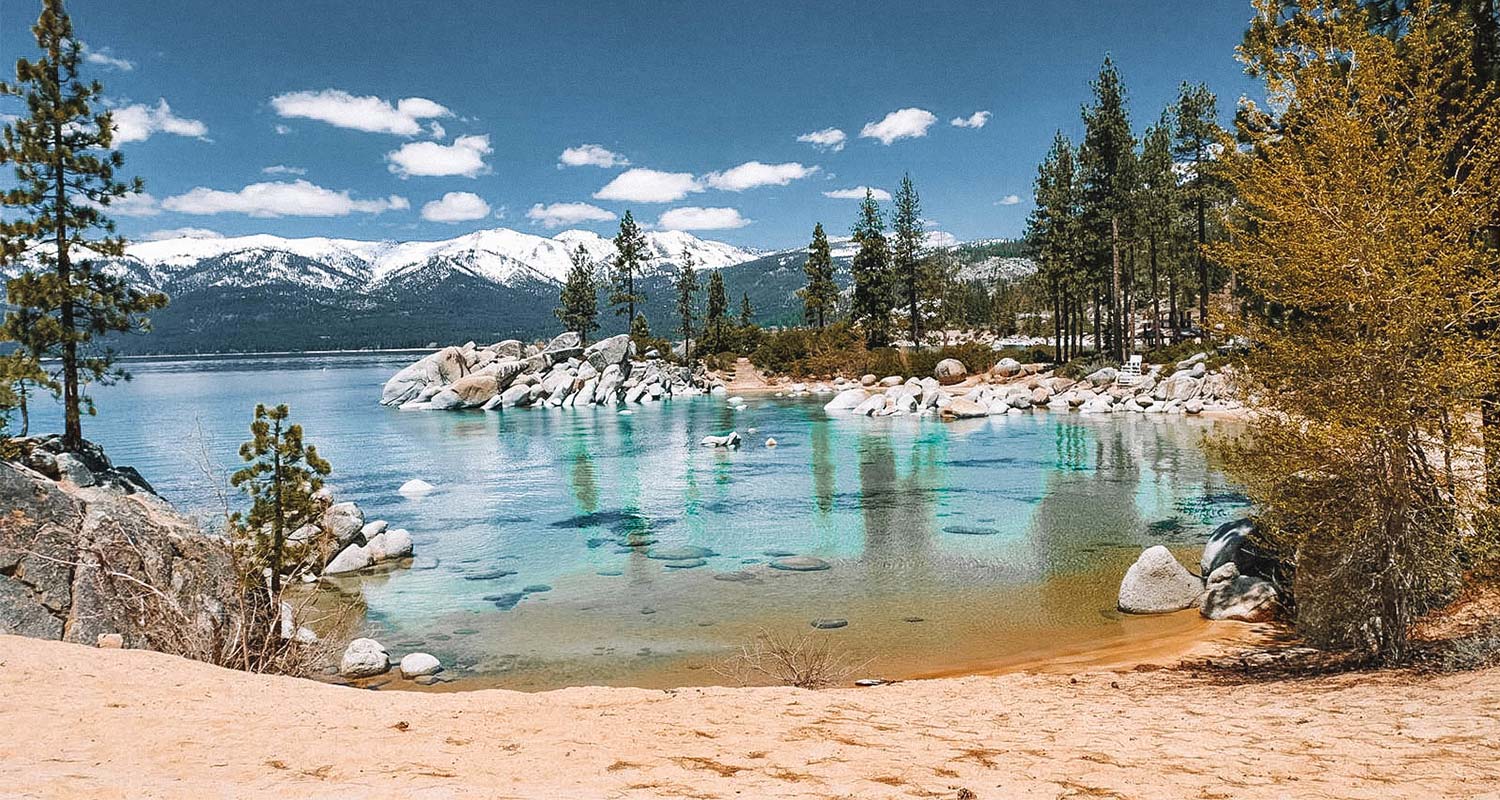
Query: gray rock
{"points": [[364, 658], [72, 468], [1241, 598], [614, 350], [1103, 376], [1007, 367], [846, 400], [827, 624], [440, 368], [800, 564], [415, 665], [1157, 584], [344, 521], [351, 559], [730, 440], [962, 408]]}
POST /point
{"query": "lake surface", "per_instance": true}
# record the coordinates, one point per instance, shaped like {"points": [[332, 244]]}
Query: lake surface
{"points": [[953, 546]]}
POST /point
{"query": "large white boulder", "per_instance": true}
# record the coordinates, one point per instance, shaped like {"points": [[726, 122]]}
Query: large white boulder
{"points": [[847, 400], [950, 371], [351, 559], [415, 665], [1157, 584], [1007, 367], [1240, 597], [364, 658], [416, 487]]}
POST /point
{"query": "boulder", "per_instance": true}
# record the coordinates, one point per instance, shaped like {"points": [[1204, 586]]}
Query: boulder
{"points": [[1240, 597], [72, 468], [510, 348], [891, 380], [475, 390], [614, 350], [364, 658], [1157, 584], [731, 439], [414, 665], [109, 641], [847, 400], [416, 487], [392, 544], [443, 367], [344, 521], [1232, 543], [962, 408], [445, 400], [874, 404], [1007, 367], [950, 371], [351, 559], [516, 395], [1103, 376]]}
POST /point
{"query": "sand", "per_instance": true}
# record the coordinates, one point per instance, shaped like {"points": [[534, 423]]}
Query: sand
{"points": [[80, 722]]}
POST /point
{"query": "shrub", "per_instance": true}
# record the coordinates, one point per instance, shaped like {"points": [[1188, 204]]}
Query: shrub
{"points": [[805, 662]]}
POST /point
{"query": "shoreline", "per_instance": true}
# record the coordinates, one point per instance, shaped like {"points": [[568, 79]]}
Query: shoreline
{"points": [[133, 723]]}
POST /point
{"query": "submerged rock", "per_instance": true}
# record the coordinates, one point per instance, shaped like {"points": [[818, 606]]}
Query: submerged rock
{"points": [[800, 564], [1157, 584], [730, 440], [415, 487]]}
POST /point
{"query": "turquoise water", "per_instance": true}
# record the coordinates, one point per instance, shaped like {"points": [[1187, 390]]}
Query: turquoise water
{"points": [[951, 544]]}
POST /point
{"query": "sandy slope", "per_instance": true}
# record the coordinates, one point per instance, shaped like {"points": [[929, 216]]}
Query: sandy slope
{"points": [[78, 722]]}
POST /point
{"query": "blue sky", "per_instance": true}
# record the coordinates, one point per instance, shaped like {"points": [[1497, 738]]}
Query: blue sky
{"points": [[288, 117]]}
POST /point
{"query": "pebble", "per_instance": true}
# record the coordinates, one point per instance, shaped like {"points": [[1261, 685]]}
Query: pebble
{"points": [[829, 624]]}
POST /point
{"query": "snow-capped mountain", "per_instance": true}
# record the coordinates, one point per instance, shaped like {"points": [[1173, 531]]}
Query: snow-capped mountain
{"points": [[500, 255]]}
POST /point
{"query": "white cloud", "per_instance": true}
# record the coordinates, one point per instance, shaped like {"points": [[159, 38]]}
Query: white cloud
{"points": [[371, 114], [182, 233], [136, 122], [1009, 200], [282, 169], [456, 207], [692, 218], [104, 58], [751, 174], [556, 215], [437, 130], [136, 204], [908, 123], [464, 157], [940, 239], [827, 139], [591, 155], [279, 199], [649, 186], [858, 193], [975, 120]]}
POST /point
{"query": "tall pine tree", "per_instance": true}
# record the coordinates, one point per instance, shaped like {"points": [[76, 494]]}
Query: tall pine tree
{"points": [[1053, 236], [718, 309], [578, 308], [64, 182], [907, 239], [687, 303], [1108, 161], [1158, 212], [747, 312], [871, 268], [820, 295], [630, 259], [1197, 135]]}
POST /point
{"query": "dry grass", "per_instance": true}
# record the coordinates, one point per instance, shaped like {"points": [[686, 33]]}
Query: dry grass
{"points": [[807, 662]]}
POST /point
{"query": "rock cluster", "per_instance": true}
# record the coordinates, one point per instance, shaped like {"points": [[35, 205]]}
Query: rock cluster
{"points": [[1157, 583], [358, 544], [1012, 387], [562, 372]]}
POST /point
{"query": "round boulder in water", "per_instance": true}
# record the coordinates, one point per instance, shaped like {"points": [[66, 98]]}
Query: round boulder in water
{"points": [[800, 564]]}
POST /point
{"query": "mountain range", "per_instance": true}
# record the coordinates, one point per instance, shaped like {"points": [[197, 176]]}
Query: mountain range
{"points": [[267, 293]]}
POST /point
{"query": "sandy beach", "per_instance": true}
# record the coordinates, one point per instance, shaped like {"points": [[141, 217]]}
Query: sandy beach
{"points": [[82, 722]]}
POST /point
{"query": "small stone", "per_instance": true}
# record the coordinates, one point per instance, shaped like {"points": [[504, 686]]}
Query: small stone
{"points": [[770, 441], [828, 624], [110, 641]]}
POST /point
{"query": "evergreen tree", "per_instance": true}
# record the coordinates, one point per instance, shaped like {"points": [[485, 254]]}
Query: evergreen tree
{"points": [[907, 239], [1356, 238], [1158, 206], [578, 308], [630, 260], [1108, 178], [639, 330], [65, 181], [718, 309], [871, 269], [281, 476], [820, 295], [747, 313], [687, 303], [1052, 232], [20, 374], [1197, 135]]}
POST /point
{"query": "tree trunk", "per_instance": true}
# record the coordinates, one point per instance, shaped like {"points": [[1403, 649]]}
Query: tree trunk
{"points": [[72, 417], [1115, 298], [277, 522], [1202, 208], [1155, 298]]}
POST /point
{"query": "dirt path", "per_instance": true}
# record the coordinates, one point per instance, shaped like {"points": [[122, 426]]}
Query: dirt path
{"points": [[746, 378], [80, 722]]}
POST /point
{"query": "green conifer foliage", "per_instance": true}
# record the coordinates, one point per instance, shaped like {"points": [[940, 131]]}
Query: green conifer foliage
{"points": [[281, 475]]}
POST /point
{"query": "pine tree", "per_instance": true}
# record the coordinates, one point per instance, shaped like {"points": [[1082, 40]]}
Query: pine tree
{"points": [[871, 269], [907, 239], [578, 308], [747, 313], [630, 259], [1197, 135], [1356, 239], [65, 181], [1108, 177], [1158, 206], [640, 331], [687, 303], [20, 374], [718, 309], [1052, 234], [820, 295], [281, 477]]}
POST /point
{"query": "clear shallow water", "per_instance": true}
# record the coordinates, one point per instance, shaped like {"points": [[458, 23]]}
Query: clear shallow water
{"points": [[953, 545]]}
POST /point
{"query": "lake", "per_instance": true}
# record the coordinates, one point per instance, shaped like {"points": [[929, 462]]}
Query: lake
{"points": [[954, 546]]}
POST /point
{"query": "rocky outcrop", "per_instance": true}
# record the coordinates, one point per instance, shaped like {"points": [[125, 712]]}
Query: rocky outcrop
{"points": [[1157, 584], [561, 373], [78, 549]]}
